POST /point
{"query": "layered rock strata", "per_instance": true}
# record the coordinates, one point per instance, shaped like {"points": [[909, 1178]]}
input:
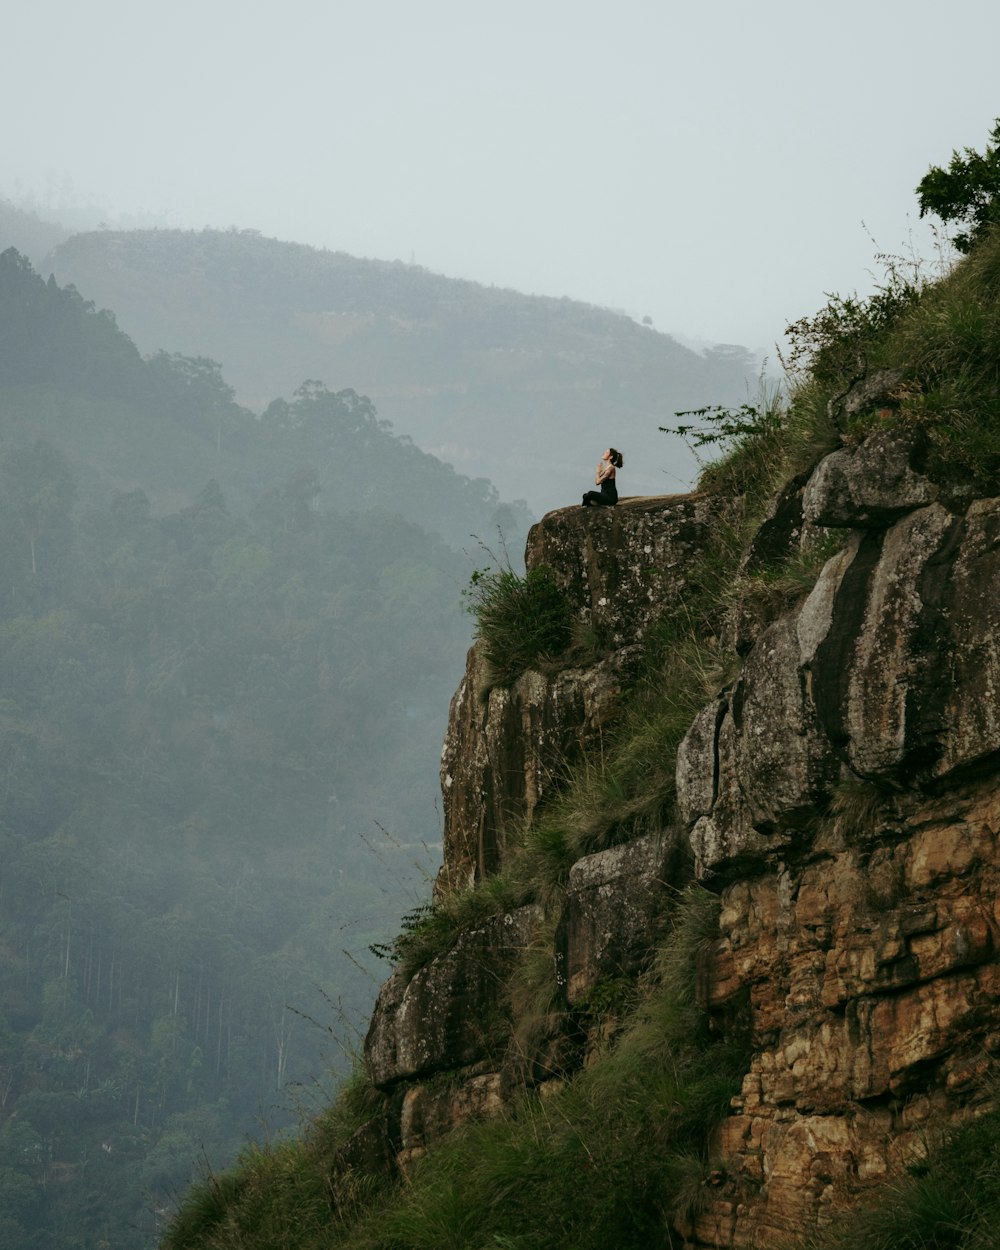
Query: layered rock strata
{"points": [[843, 796]]}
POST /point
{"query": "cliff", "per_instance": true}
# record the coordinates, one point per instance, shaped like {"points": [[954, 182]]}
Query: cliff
{"points": [[713, 953], [839, 794]]}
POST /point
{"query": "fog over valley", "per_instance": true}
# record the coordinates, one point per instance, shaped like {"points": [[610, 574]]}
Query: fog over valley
{"points": [[307, 312]]}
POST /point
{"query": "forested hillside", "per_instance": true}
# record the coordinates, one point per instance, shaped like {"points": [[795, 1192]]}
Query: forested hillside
{"points": [[524, 390], [226, 648], [32, 235]]}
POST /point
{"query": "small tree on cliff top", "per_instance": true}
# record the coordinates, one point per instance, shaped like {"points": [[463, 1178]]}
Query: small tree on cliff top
{"points": [[967, 192]]}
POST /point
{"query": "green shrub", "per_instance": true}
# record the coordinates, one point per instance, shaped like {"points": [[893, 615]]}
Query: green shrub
{"points": [[967, 192], [770, 591], [278, 1198], [205, 1206], [842, 342], [432, 929], [950, 346], [356, 1102], [519, 620]]}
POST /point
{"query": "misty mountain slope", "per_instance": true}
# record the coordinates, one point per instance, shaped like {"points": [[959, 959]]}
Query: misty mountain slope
{"points": [[32, 235], [524, 390], [168, 423], [224, 669]]}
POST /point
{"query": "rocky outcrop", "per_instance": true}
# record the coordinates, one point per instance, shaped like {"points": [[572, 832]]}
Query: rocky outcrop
{"points": [[840, 794], [450, 1014], [445, 1033], [507, 746], [888, 672], [869, 486], [611, 913], [618, 566]]}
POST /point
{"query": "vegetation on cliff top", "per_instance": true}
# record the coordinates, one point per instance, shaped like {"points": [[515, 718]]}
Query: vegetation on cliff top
{"points": [[520, 621]]}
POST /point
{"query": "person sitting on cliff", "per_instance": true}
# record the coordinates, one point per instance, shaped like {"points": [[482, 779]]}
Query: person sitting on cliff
{"points": [[605, 479]]}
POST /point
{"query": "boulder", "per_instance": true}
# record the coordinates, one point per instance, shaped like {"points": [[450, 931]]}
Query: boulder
{"points": [[871, 485], [452, 1013], [609, 917], [619, 566]]}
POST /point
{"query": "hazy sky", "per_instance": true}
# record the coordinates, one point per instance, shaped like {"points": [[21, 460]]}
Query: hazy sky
{"points": [[707, 164]]}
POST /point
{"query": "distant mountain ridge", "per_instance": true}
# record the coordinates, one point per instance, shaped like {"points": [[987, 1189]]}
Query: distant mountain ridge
{"points": [[524, 390], [32, 235], [168, 423]]}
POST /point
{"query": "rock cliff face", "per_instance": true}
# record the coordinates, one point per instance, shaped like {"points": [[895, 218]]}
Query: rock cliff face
{"points": [[841, 795], [506, 748]]}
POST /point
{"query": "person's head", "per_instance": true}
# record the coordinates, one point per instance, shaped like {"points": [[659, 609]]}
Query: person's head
{"points": [[615, 457]]}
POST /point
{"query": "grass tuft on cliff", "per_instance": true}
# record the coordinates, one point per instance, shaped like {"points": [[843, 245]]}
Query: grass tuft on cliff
{"points": [[520, 621]]}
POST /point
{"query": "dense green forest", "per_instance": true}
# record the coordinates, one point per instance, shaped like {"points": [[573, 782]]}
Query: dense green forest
{"points": [[525, 390], [227, 644]]}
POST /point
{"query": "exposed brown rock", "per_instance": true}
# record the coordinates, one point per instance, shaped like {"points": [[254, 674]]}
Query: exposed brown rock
{"points": [[842, 796], [430, 1112], [861, 1003]]}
